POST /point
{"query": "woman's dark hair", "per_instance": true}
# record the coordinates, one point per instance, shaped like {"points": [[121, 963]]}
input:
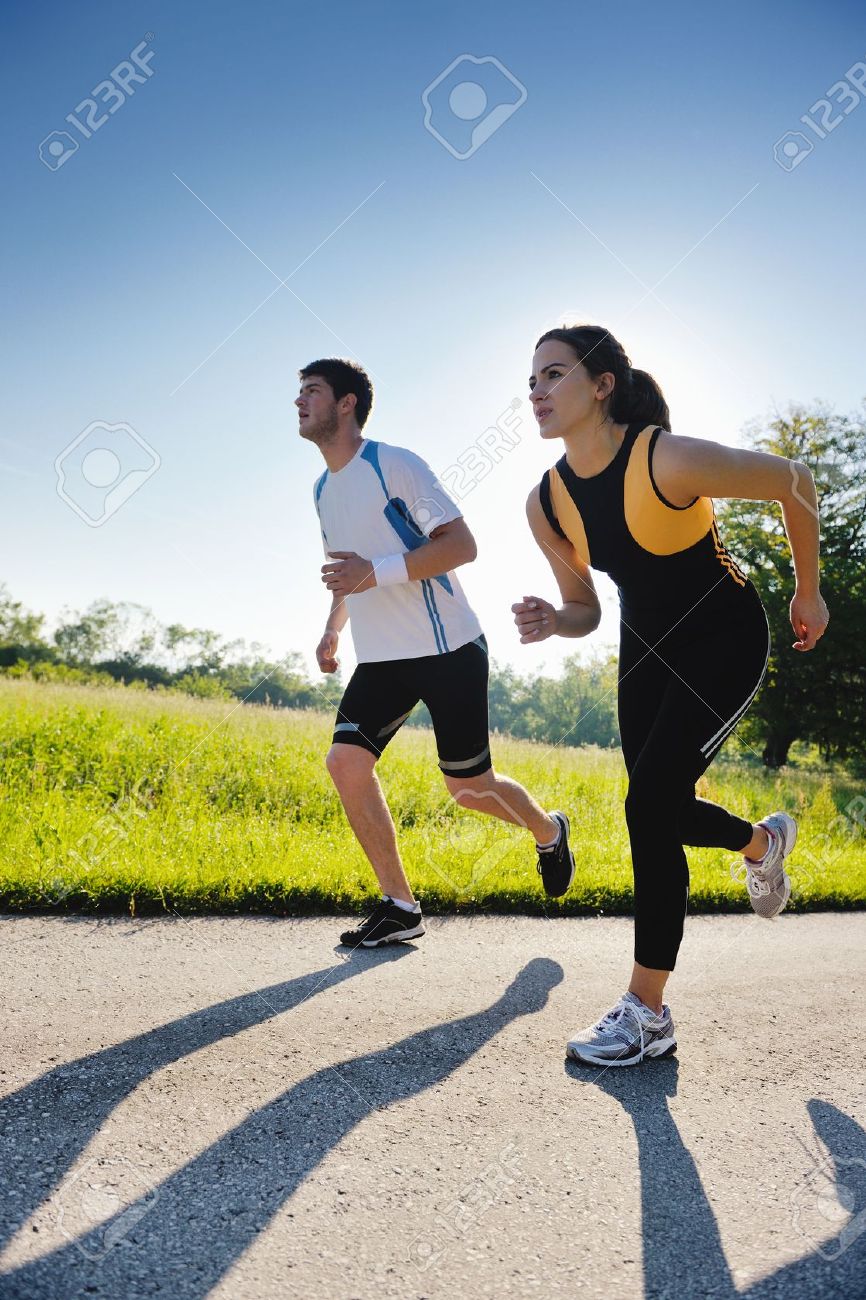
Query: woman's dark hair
{"points": [[344, 377], [636, 396]]}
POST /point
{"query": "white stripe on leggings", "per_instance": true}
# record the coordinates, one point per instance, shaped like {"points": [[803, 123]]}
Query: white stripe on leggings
{"points": [[727, 727]]}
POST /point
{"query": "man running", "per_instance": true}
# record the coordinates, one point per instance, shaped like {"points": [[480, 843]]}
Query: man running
{"points": [[393, 538]]}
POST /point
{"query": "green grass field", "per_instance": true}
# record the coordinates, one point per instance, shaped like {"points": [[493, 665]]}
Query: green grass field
{"points": [[135, 801]]}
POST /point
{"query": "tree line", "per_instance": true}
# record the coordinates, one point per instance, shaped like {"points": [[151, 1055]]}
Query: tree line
{"points": [[113, 642], [817, 698]]}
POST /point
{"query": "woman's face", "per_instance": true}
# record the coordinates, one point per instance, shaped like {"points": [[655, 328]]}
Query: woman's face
{"points": [[563, 393]]}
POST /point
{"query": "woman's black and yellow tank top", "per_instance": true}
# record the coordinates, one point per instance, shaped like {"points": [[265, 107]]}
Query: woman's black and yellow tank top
{"points": [[659, 555]]}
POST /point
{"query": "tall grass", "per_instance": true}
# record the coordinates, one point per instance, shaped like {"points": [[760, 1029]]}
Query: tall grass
{"points": [[128, 800]]}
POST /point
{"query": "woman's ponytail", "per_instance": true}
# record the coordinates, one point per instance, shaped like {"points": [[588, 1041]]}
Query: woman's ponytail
{"points": [[641, 401]]}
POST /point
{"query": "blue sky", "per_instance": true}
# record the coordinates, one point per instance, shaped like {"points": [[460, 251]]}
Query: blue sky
{"points": [[643, 153]]}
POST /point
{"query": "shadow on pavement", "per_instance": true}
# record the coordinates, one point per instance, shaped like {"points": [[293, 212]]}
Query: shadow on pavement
{"points": [[202, 1218], [683, 1256], [45, 1125]]}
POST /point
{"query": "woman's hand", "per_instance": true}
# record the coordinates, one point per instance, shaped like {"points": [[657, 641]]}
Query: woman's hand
{"points": [[535, 619], [809, 618]]}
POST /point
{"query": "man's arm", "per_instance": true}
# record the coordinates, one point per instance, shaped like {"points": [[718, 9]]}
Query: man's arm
{"points": [[326, 650], [339, 615], [449, 546]]}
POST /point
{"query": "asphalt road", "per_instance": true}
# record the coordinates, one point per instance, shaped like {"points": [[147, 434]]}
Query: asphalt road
{"points": [[238, 1108]]}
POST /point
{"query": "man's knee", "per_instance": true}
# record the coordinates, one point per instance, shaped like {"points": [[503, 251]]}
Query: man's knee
{"points": [[470, 791], [347, 764]]}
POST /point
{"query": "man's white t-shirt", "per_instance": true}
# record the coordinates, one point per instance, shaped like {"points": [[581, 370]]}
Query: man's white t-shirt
{"points": [[386, 501]]}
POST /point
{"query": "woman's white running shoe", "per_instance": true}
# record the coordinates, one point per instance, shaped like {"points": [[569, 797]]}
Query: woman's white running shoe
{"points": [[626, 1035], [767, 881]]}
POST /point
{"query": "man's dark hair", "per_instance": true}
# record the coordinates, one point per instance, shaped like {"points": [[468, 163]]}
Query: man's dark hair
{"points": [[344, 377]]}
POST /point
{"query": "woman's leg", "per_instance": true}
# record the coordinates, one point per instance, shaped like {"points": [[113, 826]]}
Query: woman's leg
{"points": [[660, 782], [710, 683], [702, 823], [643, 678], [708, 825], [679, 697]]}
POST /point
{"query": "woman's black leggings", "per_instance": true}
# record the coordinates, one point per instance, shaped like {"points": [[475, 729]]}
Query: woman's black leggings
{"points": [[683, 687]]}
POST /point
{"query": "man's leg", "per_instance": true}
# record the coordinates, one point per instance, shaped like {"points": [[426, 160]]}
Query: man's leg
{"points": [[352, 770], [455, 692], [376, 702], [503, 798]]}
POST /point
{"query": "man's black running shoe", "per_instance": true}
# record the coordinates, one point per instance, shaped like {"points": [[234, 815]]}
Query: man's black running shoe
{"points": [[556, 865], [387, 923]]}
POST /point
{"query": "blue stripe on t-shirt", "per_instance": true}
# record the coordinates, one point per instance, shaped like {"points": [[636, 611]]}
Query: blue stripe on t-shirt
{"points": [[435, 619], [399, 515], [371, 455], [317, 492], [411, 535]]}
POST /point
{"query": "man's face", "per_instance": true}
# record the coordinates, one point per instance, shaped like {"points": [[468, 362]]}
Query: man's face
{"points": [[317, 410]]}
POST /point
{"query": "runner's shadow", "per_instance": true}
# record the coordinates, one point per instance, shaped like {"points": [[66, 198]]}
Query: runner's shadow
{"points": [[837, 1266], [45, 1125], [682, 1251], [683, 1255], [202, 1218]]}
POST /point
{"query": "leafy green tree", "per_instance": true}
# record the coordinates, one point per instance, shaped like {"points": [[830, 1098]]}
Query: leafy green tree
{"points": [[818, 697], [18, 626], [576, 708], [121, 633], [197, 649], [283, 683], [506, 699], [21, 635]]}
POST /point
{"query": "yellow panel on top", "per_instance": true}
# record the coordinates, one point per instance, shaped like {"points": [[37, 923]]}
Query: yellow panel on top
{"points": [[659, 528], [568, 515]]}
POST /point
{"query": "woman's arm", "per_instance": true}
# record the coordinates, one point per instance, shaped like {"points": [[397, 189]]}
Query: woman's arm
{"points": [[685, 468], [580, 611]]}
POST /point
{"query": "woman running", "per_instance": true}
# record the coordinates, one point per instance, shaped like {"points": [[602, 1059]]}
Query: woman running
{"points": [[630, 498]]}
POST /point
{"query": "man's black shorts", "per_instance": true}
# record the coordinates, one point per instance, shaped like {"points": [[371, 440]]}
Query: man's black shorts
{"points": [[380, 696]]}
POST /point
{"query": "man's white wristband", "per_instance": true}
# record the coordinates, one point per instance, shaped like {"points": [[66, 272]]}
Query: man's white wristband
{"points": [[390, 569]]}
